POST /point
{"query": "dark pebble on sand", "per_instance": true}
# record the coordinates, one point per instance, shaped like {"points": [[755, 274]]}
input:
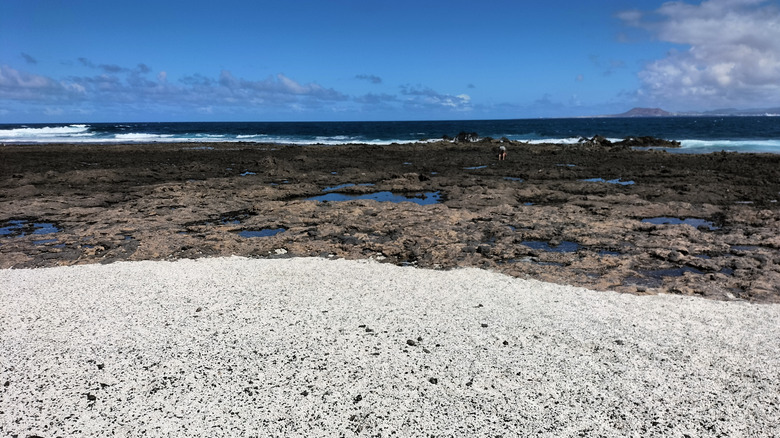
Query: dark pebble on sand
{"points": [[411, 342], [433, 380], [484, 325]]}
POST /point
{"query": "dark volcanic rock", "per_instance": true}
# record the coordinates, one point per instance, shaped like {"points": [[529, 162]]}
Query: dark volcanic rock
{"points": [[649, 142], [107, 203], [467, 137]]}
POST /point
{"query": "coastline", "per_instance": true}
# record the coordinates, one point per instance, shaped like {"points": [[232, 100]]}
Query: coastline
{"points": [[601, 217], [234, 346], [696, 134]]}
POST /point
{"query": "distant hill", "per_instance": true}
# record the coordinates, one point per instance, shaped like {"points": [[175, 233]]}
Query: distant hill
{"points": [[645, 112]]}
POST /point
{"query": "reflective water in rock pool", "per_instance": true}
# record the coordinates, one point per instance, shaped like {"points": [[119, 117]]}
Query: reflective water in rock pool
{"points": [[564, 246], [425, 198], [265, 232]]}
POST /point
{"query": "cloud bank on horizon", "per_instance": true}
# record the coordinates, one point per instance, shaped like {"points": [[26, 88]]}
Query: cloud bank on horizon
{"points": [[675, 55]]}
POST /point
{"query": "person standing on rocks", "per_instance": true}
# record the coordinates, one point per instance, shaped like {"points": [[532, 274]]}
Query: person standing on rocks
{"points": [[501, 153]]}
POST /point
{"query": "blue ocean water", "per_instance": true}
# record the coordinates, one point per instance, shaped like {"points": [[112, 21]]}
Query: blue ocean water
{"points": [[697, 134]]}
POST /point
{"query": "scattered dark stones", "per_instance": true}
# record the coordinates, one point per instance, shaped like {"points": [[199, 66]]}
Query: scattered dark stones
{"points": [[357, 399]]}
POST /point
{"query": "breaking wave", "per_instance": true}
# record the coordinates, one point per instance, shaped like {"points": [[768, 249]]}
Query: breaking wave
{"points": [[696, 134]]}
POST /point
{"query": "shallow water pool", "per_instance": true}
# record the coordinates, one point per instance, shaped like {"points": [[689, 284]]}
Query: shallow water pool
{"points": [[22, 227], [265, 232], [564, 246], [617, 181], [424, 198]]}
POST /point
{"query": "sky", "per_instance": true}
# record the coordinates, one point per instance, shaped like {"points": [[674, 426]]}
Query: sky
{"points": [[321, 60]]}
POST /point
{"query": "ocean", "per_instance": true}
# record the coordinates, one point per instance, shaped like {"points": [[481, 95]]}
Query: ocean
{"points": [[697, 134]]}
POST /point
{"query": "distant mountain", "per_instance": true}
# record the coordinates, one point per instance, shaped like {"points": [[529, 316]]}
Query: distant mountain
{"points": [[645, 112]]}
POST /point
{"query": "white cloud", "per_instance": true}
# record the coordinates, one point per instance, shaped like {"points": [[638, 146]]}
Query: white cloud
{"points": [[24, 86], [631, 18], [115, 89], [291, 86], [10, 78], [73, 87], [134, 86], [732, 56], [278, 88], [421, 98]]}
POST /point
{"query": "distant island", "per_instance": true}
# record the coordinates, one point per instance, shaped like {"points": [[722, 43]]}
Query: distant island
{"points": [[644, 112], [658, 112]]}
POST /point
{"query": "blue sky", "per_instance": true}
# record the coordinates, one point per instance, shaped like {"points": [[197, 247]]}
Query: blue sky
{"points": [[93, 61]]}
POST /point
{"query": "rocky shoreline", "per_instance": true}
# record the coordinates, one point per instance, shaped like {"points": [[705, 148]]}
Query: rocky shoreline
{"points": [[598, 215]]}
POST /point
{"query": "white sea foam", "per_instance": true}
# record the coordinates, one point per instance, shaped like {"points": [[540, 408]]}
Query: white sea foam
{"points": [[210, 136], [44, 132], [141, 136], [245, 137], [731, 145], [569, 140], [140, 133], [332, 141]]}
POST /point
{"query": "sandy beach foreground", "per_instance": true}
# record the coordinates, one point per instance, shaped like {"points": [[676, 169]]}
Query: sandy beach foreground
{"points": [[316, 347]]}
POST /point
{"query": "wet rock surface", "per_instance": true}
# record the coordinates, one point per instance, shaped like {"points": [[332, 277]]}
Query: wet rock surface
{"points": [[593, 215]]}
